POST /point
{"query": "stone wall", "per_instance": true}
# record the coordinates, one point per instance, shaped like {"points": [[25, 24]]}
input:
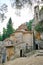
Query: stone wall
{"points": [[19, 37], [0, 56], [10, 53], [28, 38], [6, 51], [21, 46]]}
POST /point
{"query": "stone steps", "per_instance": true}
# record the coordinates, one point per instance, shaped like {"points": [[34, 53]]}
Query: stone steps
{"points": [[39, 53]]}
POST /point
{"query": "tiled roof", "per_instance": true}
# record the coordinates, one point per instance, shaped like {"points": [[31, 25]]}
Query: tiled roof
{"points": [[22, 27]]}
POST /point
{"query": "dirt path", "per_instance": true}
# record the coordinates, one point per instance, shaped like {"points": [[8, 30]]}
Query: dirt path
{"points": [[27, 61], [33, 60]]}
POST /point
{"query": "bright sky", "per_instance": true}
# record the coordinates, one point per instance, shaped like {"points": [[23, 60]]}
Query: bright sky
{"points": [[26, 15]]}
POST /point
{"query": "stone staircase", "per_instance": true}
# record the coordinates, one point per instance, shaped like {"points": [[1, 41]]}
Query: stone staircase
{"points": [[39, 53]]}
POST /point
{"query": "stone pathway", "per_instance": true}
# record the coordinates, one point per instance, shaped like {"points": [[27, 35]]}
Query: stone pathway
{"points": [[32, 60]]}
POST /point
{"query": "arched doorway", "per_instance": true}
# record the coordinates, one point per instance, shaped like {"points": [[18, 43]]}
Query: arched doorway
{"points": [[36, 46]]}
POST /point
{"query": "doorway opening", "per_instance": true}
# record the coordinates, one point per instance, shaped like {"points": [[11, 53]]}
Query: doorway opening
{"points": [[21, 53], [36, 46]]}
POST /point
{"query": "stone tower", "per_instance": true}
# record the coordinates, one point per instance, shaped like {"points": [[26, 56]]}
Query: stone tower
{"points": [[36, 14]]}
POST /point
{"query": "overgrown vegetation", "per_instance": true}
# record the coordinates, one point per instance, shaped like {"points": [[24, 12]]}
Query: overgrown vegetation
{"points": [[39, 27]]}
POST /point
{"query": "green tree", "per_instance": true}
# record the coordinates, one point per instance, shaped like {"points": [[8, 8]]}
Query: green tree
{"points": [[29, 24], [4, 33], [39, 27], [10, 29], [0, 37]]}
